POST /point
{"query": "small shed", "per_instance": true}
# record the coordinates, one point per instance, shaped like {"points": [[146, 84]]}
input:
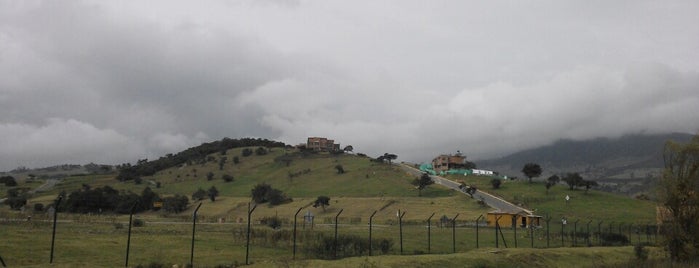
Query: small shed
{"points": [[522, 218]]}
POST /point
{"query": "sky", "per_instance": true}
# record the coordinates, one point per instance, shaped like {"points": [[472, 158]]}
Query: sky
{"points": [[111, 82]]}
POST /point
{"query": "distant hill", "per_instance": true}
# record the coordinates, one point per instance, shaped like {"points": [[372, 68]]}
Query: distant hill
{"points": [[58, 171], [627, 164]]}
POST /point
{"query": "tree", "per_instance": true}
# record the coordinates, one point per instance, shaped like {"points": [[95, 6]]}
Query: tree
{"points": [[236, 160], [199, 195], [148, 197], [531, 170], [222, 162], [551, 181], [260, 151], [589, 184], [677, 193], [554, 179], [348, 148], [573, 180], [212, 193], [340, 169], [247, 152], [263, 193], [322, 201], [175, 204], [389, 157], [495, 183], [227, 178], [9, 181], [209, 176], [422, 182], [259, 192]]}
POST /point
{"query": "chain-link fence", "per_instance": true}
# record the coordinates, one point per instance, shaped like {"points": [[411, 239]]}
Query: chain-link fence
{"points": [[117, 241]]}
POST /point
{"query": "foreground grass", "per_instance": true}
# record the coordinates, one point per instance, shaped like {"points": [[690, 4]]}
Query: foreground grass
{"points": [[558, 257], [100, 241]]}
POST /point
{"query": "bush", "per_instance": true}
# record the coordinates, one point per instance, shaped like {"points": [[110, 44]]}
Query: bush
{"points": [[347, 246], [260, 151], [496, 183], [273, 222], [9, 181], [38, 207], [611, 239], [138, 223], [641, 252], [227, 178], [263, 193]]}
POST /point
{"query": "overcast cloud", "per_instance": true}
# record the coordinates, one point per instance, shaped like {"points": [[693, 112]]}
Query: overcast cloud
{"points": [[113, 82]]}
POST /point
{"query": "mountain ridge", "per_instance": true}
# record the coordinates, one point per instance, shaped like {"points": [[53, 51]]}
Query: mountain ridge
{"points": [[629, 161]]}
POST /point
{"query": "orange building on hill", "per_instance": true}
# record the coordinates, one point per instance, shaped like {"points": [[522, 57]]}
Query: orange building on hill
{"points": [[320, 144]]}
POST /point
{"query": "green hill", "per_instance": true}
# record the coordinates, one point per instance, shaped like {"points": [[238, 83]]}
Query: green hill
{"points": [[365, 187]]}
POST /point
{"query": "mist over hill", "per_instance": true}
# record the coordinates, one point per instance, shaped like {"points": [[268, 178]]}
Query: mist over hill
{"points": [[628, 164]]}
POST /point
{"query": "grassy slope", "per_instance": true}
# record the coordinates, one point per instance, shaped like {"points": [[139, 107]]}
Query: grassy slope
{"points": [[593, 205]]}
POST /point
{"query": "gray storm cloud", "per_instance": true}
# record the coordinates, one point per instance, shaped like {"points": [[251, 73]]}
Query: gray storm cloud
{"points": [[113, 82]]}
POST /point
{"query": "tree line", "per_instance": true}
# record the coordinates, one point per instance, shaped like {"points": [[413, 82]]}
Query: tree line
{"points": [[144, 167]]}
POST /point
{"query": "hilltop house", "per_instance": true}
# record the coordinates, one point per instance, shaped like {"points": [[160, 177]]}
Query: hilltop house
{"points": [[320, 144], [446, 162]]}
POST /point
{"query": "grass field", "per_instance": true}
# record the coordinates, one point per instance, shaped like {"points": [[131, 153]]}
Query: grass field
{"points": [[365, 187], [100, 241], [591, 205]]}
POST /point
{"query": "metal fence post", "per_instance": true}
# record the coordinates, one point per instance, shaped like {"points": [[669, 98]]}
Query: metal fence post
{"points": [[587, 237], [370, 225], [531, 234], [548, 231], [453, 232], [53, 235], [295, 215], [497, 226], [335, 242], [479, 217], [429, 230], [194, 225], [563, 226], [128, 240], [247, 242], [400, 229], [514, 226], [599, 232], [575, 233]]}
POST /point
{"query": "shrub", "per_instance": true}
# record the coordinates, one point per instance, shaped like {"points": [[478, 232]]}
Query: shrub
{"points": [[273, 222], [641, 252], [138, 223], [496, 183], [38, 207], [611, 239], [347, 246], [260, 151]]}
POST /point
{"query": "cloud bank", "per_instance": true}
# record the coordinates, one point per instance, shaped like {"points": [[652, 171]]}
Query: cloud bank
{"points": [[88, 81]]}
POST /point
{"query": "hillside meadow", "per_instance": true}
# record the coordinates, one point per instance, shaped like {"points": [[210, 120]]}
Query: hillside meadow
{"points": [[364, 188]]}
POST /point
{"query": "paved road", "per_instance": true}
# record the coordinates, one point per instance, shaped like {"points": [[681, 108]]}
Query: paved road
{"points": [[50, 183], [490, 200]]}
